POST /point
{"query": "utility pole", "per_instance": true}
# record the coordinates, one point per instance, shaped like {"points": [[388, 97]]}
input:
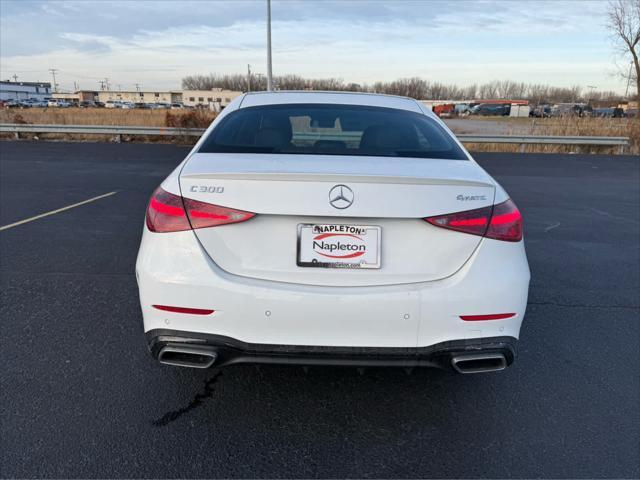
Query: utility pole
{"points": [[15, 77], [269, 71], [106, 82], [53, 74], [101, 82], [591, 89], [259, 75], [248, 77], [137, 87]]}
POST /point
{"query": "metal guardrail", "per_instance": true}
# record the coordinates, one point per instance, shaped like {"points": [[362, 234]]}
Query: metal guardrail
{"points": [[97, 129], [118, 131]]}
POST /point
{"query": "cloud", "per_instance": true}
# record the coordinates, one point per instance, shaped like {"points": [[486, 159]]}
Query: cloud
{"points": [[159, 42]]}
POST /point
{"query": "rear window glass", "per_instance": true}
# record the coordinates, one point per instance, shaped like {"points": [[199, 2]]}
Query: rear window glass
{"points": [[315, 129]]}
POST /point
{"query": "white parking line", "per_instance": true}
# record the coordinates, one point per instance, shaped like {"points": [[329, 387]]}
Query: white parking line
{"points": [[53, 212]]}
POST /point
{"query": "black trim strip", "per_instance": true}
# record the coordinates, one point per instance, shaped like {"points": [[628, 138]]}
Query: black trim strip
{"points": [[232, 351]]}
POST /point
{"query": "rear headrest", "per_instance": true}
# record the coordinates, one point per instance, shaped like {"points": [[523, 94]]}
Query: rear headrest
{"points": [[274, 131], [390, 137]]}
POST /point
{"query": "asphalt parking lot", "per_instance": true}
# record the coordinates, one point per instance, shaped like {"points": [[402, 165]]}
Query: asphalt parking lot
{"points": [[81, 397]]}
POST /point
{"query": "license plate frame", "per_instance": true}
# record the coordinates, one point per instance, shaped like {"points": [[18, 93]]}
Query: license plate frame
{"points": [[311, 257]]}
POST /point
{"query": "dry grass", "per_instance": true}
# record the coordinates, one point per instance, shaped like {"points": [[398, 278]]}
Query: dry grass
{"points": [[108, 116], [568, 126], [614, 127], [101, 116]]}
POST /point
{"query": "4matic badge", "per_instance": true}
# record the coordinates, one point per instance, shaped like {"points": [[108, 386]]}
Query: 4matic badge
{"points": [[466, 198]]}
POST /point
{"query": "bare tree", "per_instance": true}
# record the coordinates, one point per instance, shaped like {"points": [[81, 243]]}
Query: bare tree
{"points": [[624, 22]]}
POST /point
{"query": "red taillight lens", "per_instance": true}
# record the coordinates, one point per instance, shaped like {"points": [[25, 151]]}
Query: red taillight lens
{"points": [[171, 213], [500, 222], [204, 215], [506, 222], [165, 213], [474, 222]]}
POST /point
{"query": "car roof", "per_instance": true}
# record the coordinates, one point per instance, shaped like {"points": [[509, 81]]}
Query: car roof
{"points": [[254, 99]]}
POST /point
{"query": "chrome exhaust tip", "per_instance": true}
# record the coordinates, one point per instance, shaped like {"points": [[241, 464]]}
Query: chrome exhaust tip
{"points": [[479, 362], [187, 356]]}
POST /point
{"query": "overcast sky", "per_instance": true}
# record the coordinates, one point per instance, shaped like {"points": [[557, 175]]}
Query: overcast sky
{"points": [[156, 43]]}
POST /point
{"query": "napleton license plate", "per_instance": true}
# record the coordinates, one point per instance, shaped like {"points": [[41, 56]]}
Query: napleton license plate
{"points": [[338, 246]]}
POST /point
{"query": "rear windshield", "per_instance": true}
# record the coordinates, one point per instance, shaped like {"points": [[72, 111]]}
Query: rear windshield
{"points": [[313, 129]]}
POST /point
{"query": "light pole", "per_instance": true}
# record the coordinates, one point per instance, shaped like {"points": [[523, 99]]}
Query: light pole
{"points": [[269, 72]]}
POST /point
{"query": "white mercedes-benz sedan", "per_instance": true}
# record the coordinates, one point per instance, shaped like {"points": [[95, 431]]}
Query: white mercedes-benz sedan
{"points": [[332, 228]]}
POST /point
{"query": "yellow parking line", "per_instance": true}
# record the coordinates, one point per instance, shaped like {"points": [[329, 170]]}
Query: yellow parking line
{"points": [[53, 212]]}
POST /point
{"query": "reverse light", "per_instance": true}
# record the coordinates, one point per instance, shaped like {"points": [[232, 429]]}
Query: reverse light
{"points": [[171, 213], [190, 311], [500, 222]]}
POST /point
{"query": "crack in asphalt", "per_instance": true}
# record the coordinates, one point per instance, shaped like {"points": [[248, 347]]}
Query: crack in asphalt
{"points": [[574, 305], [197, 401]]}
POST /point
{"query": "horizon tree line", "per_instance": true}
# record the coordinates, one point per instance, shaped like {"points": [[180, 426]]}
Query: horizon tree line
{"points": [[413, 87]]}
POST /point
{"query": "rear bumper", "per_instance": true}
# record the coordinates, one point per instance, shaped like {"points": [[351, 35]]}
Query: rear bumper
{"points": [[173, 269], [230, 351]]}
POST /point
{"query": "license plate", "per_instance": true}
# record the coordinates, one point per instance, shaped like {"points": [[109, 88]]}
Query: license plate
{"points": [[338, 246]]}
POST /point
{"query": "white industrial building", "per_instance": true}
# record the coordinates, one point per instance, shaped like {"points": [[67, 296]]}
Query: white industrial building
{"points": [[23, 90], [215, 98]]}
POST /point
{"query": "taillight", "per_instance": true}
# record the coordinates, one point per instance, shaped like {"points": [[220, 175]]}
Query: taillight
{"points": [[203, 215], [165, 213], [506, 222], [500, 222], [171, 213]]}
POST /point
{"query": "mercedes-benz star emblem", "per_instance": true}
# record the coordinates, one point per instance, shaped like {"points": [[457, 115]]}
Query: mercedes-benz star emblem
{"points": [[341, 197]]}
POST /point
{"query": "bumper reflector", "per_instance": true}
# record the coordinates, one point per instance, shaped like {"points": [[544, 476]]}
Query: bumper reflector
{"points": [[190, 311], [493, 316]]}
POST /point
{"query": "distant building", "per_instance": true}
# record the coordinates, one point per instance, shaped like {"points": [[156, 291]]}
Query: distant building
{"points": [[214, 98], [135, 96], [79, 96], [23, 90]]}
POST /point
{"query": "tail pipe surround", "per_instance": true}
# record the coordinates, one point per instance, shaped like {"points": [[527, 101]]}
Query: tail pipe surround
{"points": [[479, 362], [188, 356]]}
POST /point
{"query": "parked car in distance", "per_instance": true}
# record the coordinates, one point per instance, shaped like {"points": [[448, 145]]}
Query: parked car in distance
{"points": [[86, 104], [177, 106], [492, 109], [113, 104], [541, 111], [332, 228], [59, 103], [128, 105], [98, 104]]}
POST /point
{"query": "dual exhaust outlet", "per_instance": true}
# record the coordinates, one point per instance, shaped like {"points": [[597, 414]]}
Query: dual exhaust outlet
{"points": [[203, 356]]}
